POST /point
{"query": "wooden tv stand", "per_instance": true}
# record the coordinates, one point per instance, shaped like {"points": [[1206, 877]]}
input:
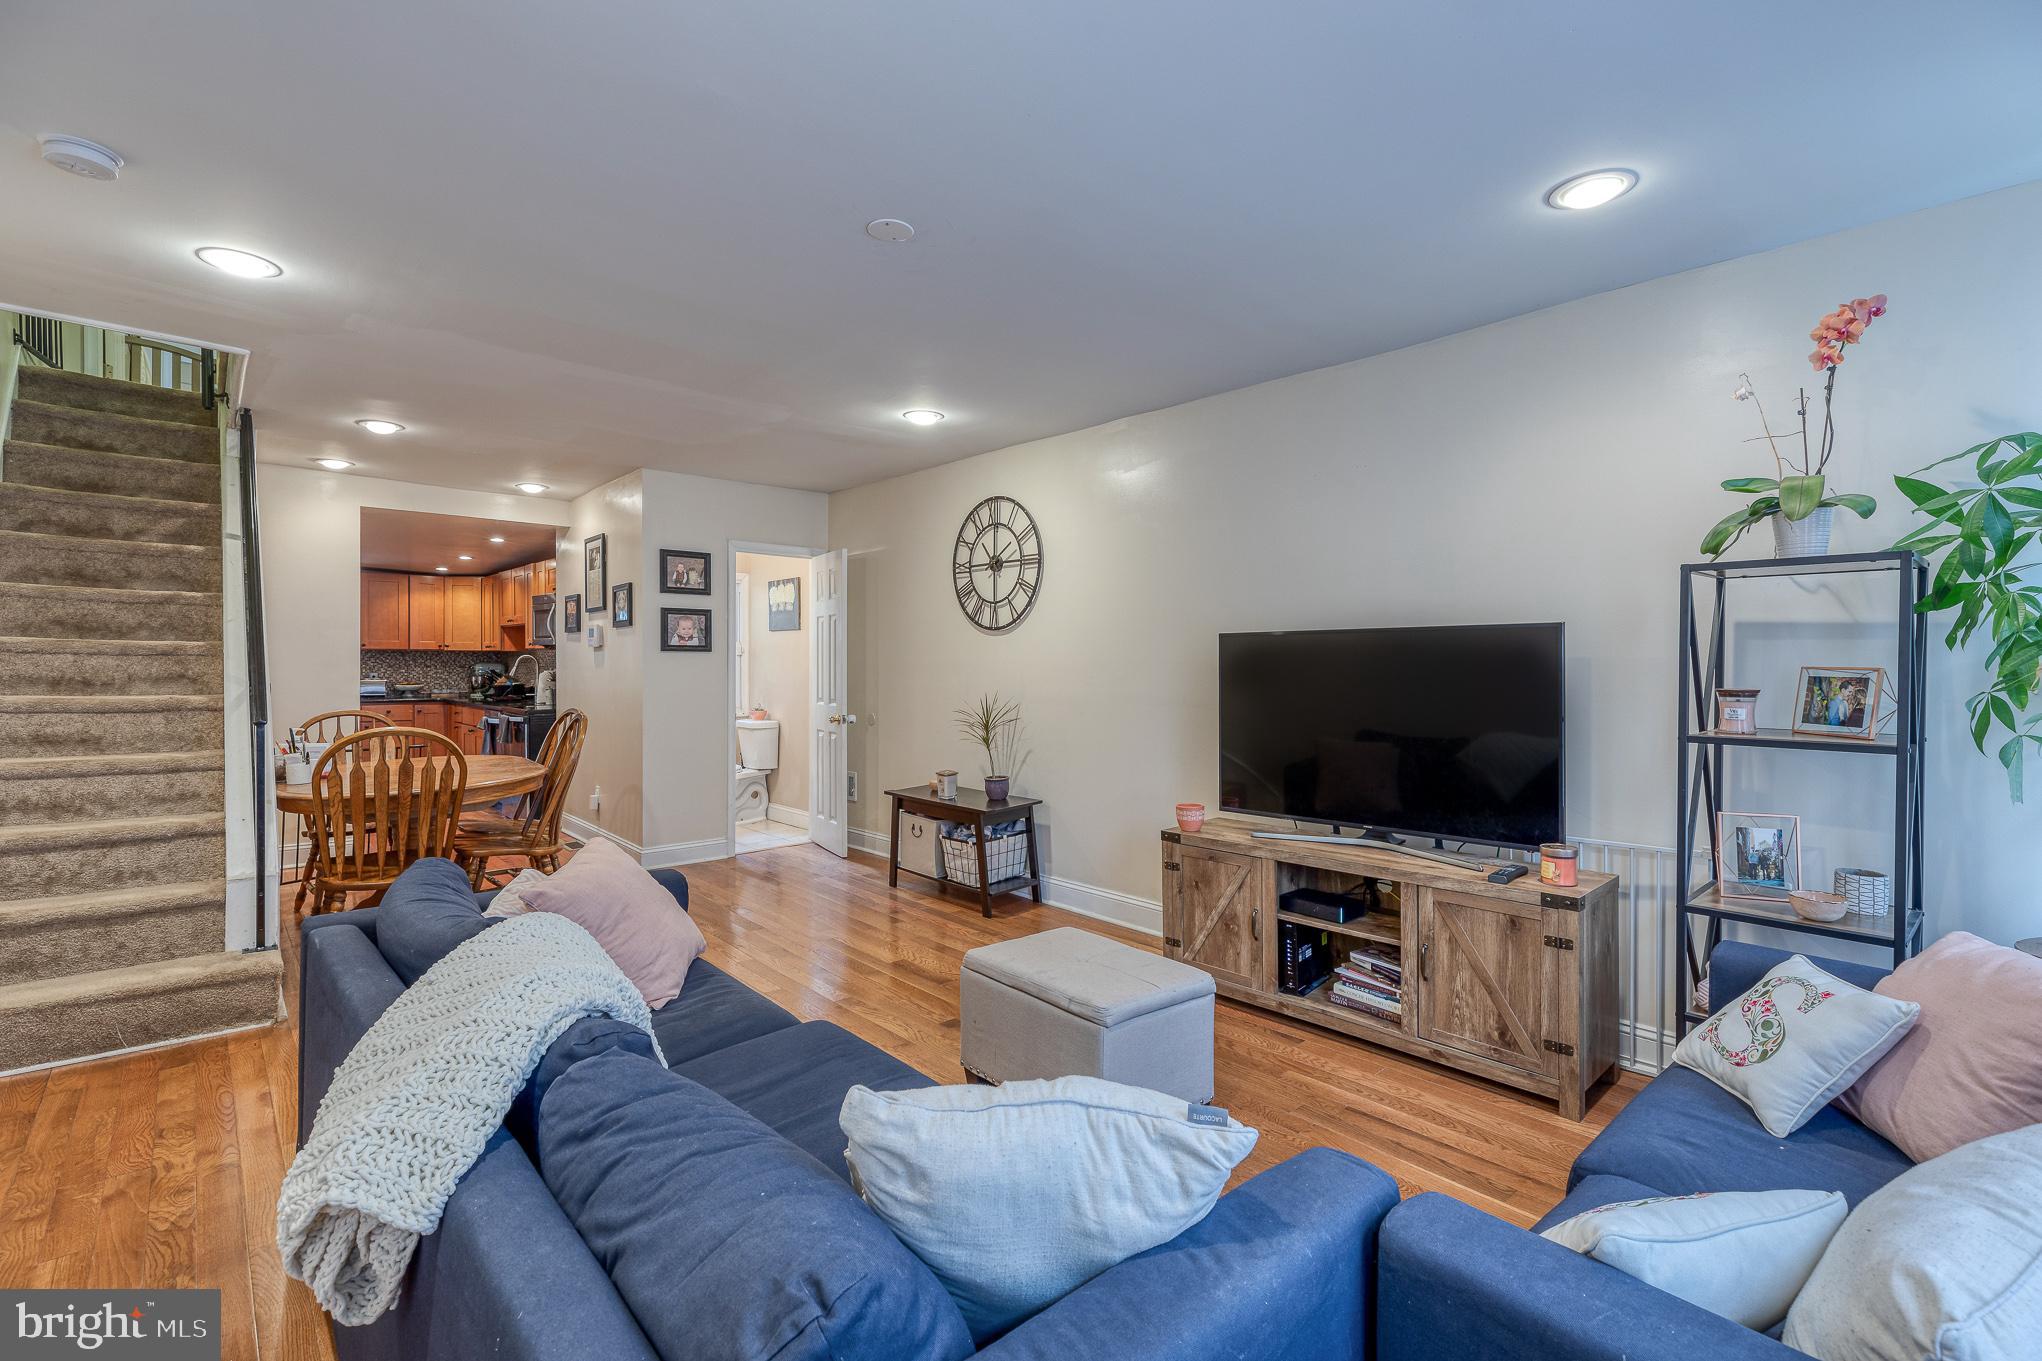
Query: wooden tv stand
{"points": [[1513, 982]]}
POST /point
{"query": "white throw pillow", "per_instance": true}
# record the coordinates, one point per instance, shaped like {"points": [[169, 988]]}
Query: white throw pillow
{"points": [[1797, 1039], [1018, 1194], [510, 900], [1741, 1254], [1943, 1262]]}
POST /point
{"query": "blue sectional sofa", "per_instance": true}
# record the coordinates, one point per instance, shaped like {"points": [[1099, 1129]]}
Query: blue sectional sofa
{"points": [[1453, 1281], [716, 1200]]}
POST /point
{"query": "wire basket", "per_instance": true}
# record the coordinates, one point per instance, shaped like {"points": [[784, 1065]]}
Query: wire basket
{"points": [[1006, 858], [1868, 893]]}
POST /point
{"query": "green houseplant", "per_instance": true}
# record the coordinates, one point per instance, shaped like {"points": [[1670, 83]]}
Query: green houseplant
{"points": [[1982, 532], [994, 725], [1797, 498]]}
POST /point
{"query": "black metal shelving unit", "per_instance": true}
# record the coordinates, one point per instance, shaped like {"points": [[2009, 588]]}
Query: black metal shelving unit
{"points": [[1703, 755]]}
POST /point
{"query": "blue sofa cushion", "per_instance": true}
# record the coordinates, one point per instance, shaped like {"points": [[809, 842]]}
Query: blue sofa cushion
{"points": [[1735, 968], [795, 1079], [587, 1037], [714, 1011], [1592, 1193], [1684, 1134], [723, 1238], [424, 915]]}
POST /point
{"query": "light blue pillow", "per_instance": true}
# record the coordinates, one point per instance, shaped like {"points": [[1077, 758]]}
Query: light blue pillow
{"points": [[1742, 1254], [1018, 1194]]}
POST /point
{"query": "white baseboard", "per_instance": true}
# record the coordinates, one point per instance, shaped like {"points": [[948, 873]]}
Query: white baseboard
{"points": [[1087, 900], [652, 857], [1643, 1048], [787, 817]]}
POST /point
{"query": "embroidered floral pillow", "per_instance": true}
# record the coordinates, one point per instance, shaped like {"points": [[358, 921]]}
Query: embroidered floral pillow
{"points": [[1797, 1039]]}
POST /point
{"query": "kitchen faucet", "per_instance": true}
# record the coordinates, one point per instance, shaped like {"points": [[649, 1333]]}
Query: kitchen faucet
{"points": [[512, 674]]}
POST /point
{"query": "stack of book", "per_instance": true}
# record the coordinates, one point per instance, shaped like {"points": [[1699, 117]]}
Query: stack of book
{"points": [[1371, 980]]}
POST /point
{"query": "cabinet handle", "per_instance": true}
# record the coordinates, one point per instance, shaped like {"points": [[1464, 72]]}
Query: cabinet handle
{"points": [[1255, 926], [1425, 960]]}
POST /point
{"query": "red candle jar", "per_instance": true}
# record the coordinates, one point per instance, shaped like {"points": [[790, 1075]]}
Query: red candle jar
{"points": [[1559, 865], [1190, 816]]}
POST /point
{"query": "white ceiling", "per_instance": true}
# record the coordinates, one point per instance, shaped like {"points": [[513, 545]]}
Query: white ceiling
{"points": [[562, 242]]}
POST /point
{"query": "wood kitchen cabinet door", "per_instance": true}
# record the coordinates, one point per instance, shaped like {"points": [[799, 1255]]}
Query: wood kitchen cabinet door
{"points": [[546, 578], [464, 614], [515, 596], [386, 611], [1210, 914], [432, 717], [428, 612], [1481, 985]]}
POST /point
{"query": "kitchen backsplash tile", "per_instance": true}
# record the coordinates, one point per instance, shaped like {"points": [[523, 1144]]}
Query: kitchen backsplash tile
{"points": [[444, 671]]}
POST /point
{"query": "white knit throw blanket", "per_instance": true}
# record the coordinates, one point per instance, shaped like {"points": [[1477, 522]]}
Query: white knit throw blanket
{"points": [[419, 1095]]}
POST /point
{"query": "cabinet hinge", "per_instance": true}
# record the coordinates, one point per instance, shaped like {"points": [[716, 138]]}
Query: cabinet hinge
{"points": [[1557, 1047], [1171, 865], [1173, 942], [1172, 837], [1559, 943]]}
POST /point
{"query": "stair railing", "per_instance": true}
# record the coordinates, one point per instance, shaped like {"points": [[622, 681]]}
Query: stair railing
{"points": [[42, 338], [258, 663]]}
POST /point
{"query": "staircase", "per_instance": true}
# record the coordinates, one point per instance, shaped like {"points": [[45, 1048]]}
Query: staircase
{"points": [[112, 775]]}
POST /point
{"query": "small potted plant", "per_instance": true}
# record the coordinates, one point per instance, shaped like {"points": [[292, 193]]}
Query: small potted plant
{"points": [[1797, 498], [994, 726]]}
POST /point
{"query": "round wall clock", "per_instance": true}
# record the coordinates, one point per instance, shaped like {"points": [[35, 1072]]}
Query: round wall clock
{"points": [[997, 564]]}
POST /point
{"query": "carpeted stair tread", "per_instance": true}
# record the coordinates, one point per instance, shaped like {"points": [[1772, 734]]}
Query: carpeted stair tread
{"points": [[103, 515], [52, 859], [51, 667], [108, 704], [49, 937], [136, 764], [110, 724], [53, 1019], [113, 831], [74, 428], [54, 465], [90, 392], [61, 789], [69, 560], [38, 611]]}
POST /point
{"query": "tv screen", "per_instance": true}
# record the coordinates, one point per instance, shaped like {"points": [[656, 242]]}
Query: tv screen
{"points": [[1452, 733]]}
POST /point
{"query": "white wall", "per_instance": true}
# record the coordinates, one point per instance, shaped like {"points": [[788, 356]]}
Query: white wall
{"points": [[311, 568], [607, 684], [1555, 466]]}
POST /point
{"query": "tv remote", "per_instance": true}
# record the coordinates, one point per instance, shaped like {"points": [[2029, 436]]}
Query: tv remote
{"points": [[1507, 873]]}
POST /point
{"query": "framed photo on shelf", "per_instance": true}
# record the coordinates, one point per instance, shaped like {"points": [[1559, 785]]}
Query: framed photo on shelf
{"points": [[620, 606], [683, 630], [1839, 701], [683, 571], [570, 616], [595, 580], [1758, 856]]}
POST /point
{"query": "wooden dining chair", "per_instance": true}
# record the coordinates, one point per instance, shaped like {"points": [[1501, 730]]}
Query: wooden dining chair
{"points": [[377, 809], [330, 726], [533, 835]]}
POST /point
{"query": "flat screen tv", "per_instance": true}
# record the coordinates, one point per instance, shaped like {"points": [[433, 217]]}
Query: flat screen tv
{"points": [[1448, 733]]}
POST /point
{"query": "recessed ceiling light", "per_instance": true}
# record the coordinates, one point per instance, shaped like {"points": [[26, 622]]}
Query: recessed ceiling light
{"points": [[921, 417], [531, 488], [80, 157], [375, 427], [439, 569], [496, 538], [239, 263], [465, 557], [1592, 190], [334, 465], [889, 229]]}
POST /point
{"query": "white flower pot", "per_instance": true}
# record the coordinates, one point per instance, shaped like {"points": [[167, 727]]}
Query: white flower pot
{"points": [[1807, 538]]}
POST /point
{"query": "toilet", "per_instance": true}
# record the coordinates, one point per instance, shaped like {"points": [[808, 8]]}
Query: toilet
{"points": [[758, 752]]}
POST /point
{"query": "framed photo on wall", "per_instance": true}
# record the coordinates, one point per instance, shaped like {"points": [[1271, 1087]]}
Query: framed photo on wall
{"points": [[620, 606], [683, 571], [570, 616], [683, 630], [595, 576], [1839, 701], [783, 605], [1758, 856]]}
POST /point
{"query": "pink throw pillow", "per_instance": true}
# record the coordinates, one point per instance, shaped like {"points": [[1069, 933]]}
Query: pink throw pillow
{"points": [[636, 921], [1972, 1065]]}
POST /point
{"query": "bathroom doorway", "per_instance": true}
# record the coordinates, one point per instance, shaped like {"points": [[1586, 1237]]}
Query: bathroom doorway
{"points": [[772, 657]]}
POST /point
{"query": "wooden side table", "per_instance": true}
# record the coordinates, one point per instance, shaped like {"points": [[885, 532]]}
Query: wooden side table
{"points": [[973, 807]]}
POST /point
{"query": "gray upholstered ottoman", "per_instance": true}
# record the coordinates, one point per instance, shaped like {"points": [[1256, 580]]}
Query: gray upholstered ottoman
{"points": [[1068, 1002]]}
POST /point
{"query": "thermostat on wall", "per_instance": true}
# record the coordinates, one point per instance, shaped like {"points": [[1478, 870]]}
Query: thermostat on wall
{"points": [[594, 635]]}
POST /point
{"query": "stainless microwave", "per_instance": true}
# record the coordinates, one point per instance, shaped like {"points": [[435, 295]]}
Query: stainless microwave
{"points": [[541, 634]]}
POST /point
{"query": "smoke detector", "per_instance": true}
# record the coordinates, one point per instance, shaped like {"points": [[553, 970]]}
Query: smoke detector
{"points": [[81, 157], [889, 229]]}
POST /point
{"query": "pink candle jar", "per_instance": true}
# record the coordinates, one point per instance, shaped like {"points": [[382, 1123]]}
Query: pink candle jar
{"points": [[1190, 816]]}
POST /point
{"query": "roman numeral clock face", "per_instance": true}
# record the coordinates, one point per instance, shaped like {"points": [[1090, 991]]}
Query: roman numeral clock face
{"points": [[997, 564]]}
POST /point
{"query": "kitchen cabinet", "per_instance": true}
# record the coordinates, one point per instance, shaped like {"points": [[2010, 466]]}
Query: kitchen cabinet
{"points": [[400, 715], [386, 611], [464, 726], [464, 615], [545, 577], [432, 717], [428, 613], [516, 596]]}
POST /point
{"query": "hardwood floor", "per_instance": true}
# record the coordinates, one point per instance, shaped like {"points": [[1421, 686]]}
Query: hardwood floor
{"points": [[162, 1168]]}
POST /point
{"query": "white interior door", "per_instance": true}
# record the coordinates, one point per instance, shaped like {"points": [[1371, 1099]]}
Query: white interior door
{"points": [[829, 813]]}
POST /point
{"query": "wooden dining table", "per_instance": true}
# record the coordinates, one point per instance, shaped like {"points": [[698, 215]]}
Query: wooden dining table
{"points": [[490, 780]]}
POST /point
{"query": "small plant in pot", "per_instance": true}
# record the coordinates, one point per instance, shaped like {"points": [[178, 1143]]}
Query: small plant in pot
{"points": [[1797, 498], [994, 726]]}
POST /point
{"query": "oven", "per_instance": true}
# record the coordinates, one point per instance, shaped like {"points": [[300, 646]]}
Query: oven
{"points": [[515, 734]]}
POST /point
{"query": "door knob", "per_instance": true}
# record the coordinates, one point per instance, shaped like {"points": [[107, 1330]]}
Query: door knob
{"points": [[836, 718]]}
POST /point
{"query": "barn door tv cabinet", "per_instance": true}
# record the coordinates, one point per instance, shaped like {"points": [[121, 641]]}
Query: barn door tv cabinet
{"points": [[1512, 982]]}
